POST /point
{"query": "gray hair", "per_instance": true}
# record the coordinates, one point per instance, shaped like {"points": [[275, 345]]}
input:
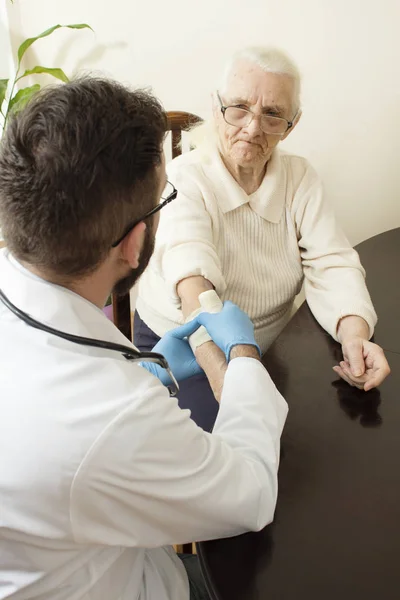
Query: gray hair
{"points": [[271, 60]]}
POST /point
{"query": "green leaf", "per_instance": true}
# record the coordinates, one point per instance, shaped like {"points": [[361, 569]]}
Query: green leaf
{"points": [[57, 73], [3, 90], [22, 97], [28, 43]]}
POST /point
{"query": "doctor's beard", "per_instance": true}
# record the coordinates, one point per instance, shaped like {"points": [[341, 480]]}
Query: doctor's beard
{"points": [[124, 285]]}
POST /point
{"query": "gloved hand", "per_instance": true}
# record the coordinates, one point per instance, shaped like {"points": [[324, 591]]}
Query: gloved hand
{"points": [[175, 348], [229, 327]]}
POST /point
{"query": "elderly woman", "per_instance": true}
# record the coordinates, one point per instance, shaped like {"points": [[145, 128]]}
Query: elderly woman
{"points": [[251, 222]]}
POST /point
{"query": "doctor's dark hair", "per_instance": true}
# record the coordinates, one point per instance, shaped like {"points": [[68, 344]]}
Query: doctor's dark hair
{"points": [[77, 165]]}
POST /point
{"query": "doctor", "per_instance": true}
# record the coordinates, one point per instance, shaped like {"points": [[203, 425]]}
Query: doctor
{"points": [[100, 470]]}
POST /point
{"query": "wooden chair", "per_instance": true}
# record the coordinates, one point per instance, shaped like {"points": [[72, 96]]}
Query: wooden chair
{"points": [[177, 121]]}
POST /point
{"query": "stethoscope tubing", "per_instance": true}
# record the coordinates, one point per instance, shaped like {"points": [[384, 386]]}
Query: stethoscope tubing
{"points": [[126, 351]]}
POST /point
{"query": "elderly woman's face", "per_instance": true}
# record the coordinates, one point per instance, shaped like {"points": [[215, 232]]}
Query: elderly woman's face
{"points": [[263, 93]]}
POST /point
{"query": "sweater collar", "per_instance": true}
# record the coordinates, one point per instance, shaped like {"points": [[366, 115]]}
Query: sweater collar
{"points": [[268, 201]]}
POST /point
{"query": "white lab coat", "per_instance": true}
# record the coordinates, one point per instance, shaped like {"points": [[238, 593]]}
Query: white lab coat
{"points": [[100, 471]]}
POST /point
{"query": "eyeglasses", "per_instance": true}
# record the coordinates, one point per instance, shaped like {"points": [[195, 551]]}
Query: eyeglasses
{"points": [[169, 194], [242, 117]]}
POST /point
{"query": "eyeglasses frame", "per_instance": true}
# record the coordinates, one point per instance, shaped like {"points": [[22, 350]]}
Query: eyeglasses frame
{"points": [[224, 108], [151, 212]]}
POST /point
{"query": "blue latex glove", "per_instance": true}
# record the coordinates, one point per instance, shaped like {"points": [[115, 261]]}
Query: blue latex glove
{"points": [[175, 348], [229, 327]]}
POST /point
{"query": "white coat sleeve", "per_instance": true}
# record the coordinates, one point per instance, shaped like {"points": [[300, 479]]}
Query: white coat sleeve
{"points": [[154, 478], [334, 278], [185, 236]]}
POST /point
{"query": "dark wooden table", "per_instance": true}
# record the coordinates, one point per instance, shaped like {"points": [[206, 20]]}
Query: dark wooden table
{"points": [[336, 533]]}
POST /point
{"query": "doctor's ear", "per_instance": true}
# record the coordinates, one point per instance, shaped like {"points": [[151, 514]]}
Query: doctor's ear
{"points": [[132, 245]]}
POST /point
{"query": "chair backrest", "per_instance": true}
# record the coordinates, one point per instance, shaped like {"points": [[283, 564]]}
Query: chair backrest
{"points": [[177, 121]]}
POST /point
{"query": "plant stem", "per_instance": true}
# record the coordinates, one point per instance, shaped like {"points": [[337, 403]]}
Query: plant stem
{"points": [[11, 95]]}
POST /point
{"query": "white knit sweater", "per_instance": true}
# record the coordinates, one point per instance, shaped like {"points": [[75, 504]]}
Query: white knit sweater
{"points": [[256, 250]]}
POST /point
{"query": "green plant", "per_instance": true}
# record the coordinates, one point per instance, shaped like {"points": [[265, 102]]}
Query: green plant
{"points": [[16, 100]]}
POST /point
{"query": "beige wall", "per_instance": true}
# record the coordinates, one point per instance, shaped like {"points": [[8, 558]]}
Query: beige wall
{"points": [[5, 56], [6, 61], [348, 51]]}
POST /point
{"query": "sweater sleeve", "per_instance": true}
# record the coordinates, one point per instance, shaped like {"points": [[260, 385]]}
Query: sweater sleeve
{"points": [[185, 237], [334, 277]]}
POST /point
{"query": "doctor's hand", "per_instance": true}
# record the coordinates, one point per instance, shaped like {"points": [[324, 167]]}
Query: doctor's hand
{"points": [[364, 365], [175, 348], [228, 328]]}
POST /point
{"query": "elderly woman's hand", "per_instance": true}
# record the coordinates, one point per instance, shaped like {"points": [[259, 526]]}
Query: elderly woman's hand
{"points": [[364, 365]]}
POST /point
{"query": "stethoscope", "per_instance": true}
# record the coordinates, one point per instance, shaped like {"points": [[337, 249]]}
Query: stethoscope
{"points": [[128, 353]]}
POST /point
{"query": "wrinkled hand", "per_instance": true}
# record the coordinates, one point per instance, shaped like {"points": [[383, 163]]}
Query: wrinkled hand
{"points": [[229, 327], [364, 365], [175, 348]]}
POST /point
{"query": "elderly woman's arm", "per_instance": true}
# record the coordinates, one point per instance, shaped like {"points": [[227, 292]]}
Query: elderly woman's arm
{"points": [[189, 261], [208, 355], [335, 285], [186, 251], [189, 289]]}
